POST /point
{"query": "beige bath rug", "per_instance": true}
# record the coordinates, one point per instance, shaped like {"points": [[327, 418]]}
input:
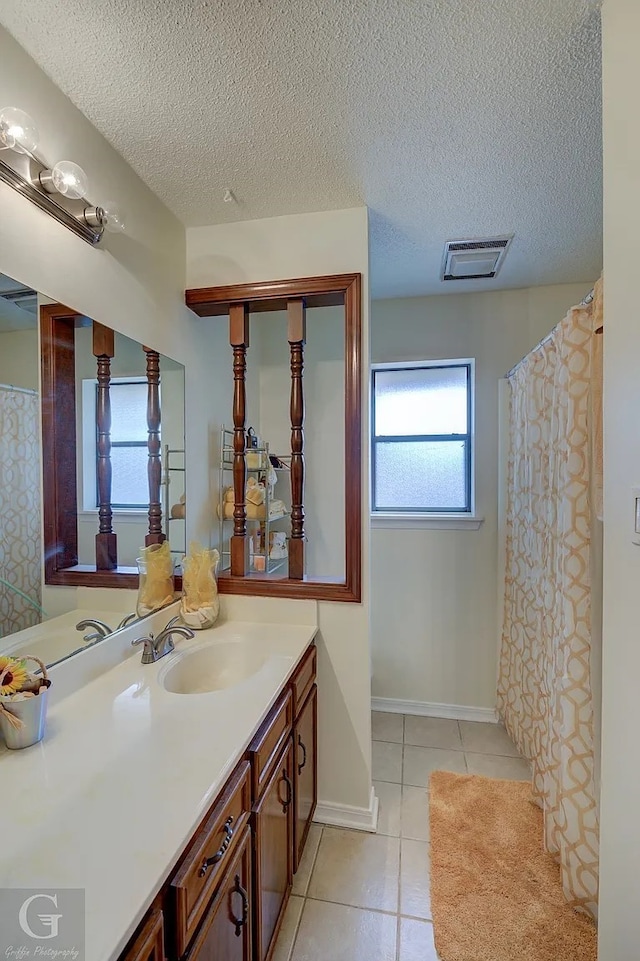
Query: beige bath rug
{"points": [[495, 894]]}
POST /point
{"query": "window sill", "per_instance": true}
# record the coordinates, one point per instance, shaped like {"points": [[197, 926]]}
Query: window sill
{"points": [[121, 516], [433, 522]]}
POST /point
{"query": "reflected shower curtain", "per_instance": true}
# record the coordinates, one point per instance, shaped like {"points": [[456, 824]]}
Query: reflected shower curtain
{"points": [[544, 684], [20, 546]]}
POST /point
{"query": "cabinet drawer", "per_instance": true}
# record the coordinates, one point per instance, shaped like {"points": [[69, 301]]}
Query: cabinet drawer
{"points": [[226, 932], [268, 743], [304, 679], [213, 848]]}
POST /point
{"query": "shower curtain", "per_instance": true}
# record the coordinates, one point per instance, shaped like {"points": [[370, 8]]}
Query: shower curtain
{"points": [[544, 684], [20, 547]]}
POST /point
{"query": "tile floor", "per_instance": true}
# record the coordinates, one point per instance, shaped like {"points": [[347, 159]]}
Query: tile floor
{"points": [[365, 897]]}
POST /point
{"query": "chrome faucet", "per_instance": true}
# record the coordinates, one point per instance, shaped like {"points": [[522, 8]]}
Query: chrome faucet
{"points": [[156, 647], [102, 630], [126, 620]]}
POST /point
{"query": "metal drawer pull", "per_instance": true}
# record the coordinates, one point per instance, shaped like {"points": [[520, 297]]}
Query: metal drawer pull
{"points": [[218, 856], [239, 922], [304, 755], [285, 804]]}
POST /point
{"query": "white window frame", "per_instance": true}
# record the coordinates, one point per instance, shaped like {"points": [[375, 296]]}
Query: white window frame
{"points": [[89, 451], [449, 520]]}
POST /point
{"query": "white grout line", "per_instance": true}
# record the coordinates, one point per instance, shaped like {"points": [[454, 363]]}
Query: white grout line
{"points": [[304, 896], [356, 907], [399, 884], [297, 928]]}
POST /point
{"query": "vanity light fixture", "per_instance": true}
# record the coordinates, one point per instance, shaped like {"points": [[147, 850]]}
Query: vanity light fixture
{"points": [[59, 190], [66, 178], [17, 131]]}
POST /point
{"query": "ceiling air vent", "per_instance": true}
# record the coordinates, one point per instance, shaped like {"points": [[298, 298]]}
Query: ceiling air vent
{"points": [[22, 297], [474, 259]]}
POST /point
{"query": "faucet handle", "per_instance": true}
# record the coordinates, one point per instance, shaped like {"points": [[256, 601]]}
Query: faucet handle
{"points": [[149, 651]]}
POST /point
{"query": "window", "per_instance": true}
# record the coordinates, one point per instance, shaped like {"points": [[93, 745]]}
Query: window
{"points": [[422, 437], [129, 451]]}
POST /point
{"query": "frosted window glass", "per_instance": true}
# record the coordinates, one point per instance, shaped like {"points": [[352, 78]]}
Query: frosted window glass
{"points": [[129, 476], [425, 400], [128, 412], [420, 475]]}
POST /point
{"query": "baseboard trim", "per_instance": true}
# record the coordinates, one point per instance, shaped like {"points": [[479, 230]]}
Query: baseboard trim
{"points": [[347, 816], [456, 712]]}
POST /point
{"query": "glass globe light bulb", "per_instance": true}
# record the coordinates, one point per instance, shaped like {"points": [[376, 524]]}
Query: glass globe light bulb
{"points": [[17, 130], [70, 180], [114, 217]]}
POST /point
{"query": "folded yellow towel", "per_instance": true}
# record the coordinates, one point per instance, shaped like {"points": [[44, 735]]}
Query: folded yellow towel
{"points": [[253, 512], [255, 495]]}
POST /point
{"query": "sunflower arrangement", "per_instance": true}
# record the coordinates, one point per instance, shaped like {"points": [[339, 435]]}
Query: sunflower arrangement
{"points": [[13, 674], [18, 684]]}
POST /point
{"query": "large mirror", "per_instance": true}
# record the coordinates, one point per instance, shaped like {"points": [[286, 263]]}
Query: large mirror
{"points": [[32, 480]]}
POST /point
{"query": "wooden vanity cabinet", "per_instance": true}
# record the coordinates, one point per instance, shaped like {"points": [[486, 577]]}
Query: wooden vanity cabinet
{"points": [[148, 943], [225, 898], [305, 777], [210, 851], [273, 849], [271, 754], [226, 932]]}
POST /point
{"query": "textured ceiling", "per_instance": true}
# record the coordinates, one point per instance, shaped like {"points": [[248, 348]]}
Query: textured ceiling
{"points": [[448, 119]]}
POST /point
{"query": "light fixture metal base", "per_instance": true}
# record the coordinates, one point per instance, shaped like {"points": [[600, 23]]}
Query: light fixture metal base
{"points": [[22, 172]]}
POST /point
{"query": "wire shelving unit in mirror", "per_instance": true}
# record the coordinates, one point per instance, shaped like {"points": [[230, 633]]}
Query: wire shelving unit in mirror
{"points": [[268, 505], [174, 489]]}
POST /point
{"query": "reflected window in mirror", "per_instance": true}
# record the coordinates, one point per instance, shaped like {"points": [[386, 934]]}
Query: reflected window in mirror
{"points": [[130, 488]]}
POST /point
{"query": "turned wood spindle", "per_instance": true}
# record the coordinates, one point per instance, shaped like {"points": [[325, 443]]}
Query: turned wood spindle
{"points": [[239, 340], [154, 465], [296, 318], [106, 541]]}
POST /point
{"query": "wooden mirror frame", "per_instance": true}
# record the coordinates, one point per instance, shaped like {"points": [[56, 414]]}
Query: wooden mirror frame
{"points": [[59, 459], [331, 291]]}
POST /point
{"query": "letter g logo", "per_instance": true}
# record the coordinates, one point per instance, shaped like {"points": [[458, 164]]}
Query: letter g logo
{"points": [[46, 920]]}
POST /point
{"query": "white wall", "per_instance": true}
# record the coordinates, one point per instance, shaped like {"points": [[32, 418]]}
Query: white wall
{"points": [[275, 249], [619, 924], [443, 583], [19, 358], [323, 428], [134, 283]]}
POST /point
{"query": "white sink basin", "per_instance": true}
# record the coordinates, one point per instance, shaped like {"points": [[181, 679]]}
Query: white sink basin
{"points": [[213, 667]]}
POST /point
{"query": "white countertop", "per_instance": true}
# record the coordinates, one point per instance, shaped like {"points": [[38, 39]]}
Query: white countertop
{"points": [[110, 798]]}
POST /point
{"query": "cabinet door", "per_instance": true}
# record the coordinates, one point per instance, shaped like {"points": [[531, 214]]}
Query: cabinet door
{"points": [[273, 840], [225, 933], [305, 739], [148, 945]]}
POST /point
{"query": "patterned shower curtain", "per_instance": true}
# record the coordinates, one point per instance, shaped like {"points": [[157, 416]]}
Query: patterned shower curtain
{"points": [[20, 546], [544, 685]]}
